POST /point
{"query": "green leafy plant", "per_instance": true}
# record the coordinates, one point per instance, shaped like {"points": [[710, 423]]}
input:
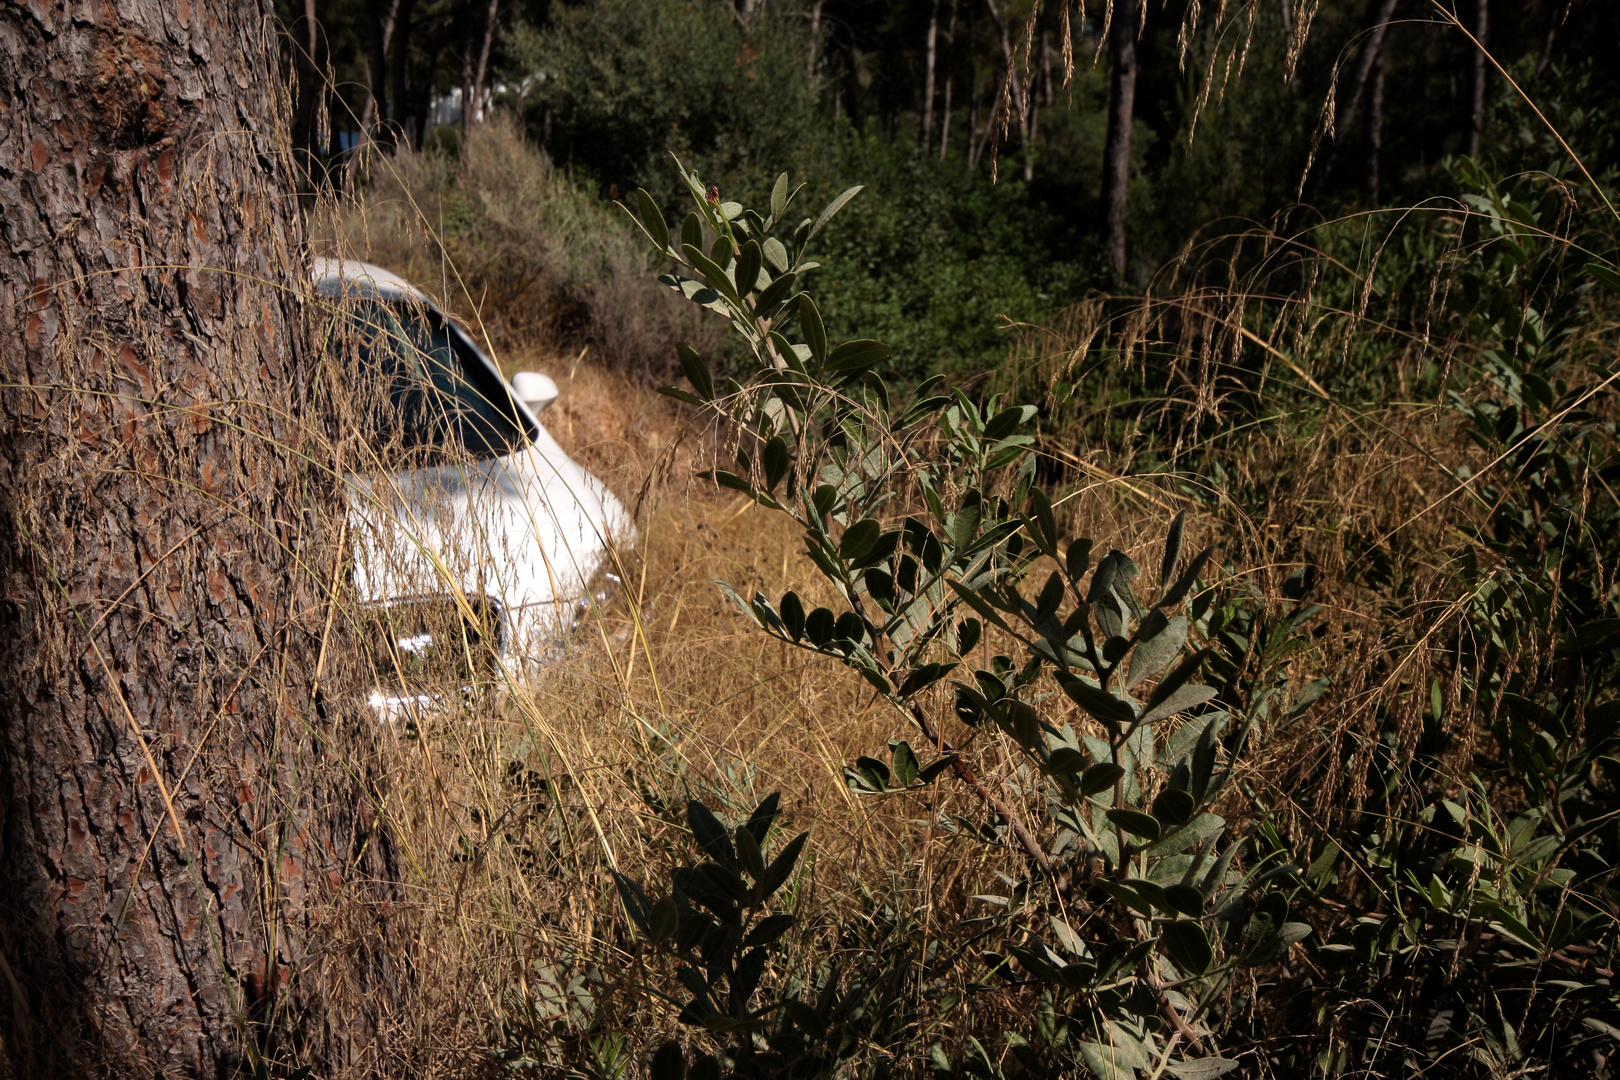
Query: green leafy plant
{"points": [[956, 597], [715, 923], [1494, 910], [1167, 900], [1455, 823]]}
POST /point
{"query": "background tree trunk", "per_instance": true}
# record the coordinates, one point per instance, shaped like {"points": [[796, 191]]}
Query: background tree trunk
{"points": [[466, 84], [1372, 58], [1482, 34], [815, 42], [379, 33], [187, 860], [307, 122], [1011, 98], [974, 146], [398, 111], [928, 77], [1121, 115], [950, 81], [1553, 23], [491, 19], [1375, 131]]}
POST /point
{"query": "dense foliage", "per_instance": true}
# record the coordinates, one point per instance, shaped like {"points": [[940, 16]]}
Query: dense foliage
{"points": [[1230, 125], [1459, 904], [1337, 794]]}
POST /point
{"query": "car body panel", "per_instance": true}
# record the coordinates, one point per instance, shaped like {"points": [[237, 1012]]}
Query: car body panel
{"points": [[531, 529]]}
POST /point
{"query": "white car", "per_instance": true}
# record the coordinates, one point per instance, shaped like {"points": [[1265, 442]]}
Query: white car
{"points": [[472, 531]]}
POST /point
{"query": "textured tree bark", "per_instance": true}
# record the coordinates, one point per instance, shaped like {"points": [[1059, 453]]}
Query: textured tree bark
{"points": [[928, 76], [1482, 37], [1121, 116], [1375, 132], [491, 19], [188, 854]]}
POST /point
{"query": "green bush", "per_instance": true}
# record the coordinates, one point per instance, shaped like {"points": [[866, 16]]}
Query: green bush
{"points": [[1461, 906], [1167, 903], [935, 259], [937, 262], [615, 86]]}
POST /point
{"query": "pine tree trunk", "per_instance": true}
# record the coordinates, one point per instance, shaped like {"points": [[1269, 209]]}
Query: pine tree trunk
{"points": [[1372, 57], [950, 81], [311, 94], [380, 16], [1482, 28], [1121, 116], [379, 33], [928, 77], [815, 43], [466, 85], [1375, 132], [398, 110], [187, 860], [973, 145], [1558, 16], [491, 19]]}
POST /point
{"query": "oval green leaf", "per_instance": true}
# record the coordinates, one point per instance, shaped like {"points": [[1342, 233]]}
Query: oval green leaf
{"points": [[1188, 946], [1138, 824], [1100, 778], [859, 538], [856, 355]]}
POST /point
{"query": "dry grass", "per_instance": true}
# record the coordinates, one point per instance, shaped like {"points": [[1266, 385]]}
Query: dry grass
{"points": [[518, 249], [513, 817], [510, 819]]}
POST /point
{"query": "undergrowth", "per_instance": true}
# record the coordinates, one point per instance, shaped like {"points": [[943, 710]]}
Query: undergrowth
{"points": [[977, 769], [506, 240]]}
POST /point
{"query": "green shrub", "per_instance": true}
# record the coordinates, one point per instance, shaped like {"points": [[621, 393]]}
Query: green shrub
{"points": [[936, 259], [615, 86], [1166, 902], [1461, 906], [937, 262], [1416, 417]]}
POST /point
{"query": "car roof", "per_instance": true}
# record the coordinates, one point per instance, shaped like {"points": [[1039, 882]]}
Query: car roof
{"points": [[327, 273]]}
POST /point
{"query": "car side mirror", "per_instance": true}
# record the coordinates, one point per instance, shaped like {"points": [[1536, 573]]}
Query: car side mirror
{"points": [[535, 390]]}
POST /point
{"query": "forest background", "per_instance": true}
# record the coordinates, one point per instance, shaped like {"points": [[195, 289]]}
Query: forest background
{"points": [[1305, 313], [979, 212]]}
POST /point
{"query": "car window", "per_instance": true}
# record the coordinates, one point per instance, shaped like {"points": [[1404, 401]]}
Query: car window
{"points": [[436, 391]]}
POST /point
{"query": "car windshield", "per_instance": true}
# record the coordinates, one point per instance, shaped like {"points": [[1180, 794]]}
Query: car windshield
{"points": [[438, 391]]}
